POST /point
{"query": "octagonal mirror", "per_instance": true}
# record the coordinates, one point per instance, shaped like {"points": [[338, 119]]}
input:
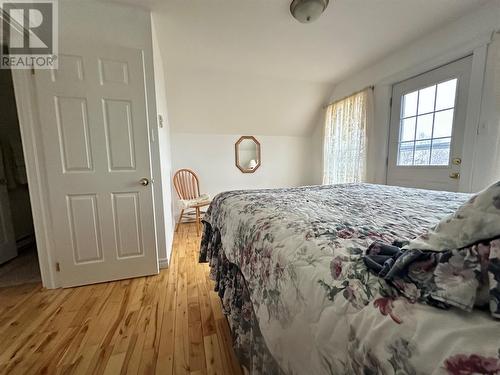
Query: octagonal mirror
{"points": [[247, 154]]}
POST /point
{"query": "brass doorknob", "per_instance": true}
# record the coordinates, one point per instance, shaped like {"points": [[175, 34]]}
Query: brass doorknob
{"points": [[144, 181], [455, 175]]}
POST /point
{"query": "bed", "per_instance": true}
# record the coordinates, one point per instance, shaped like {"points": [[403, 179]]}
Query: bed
{"points": [[299, 299]]}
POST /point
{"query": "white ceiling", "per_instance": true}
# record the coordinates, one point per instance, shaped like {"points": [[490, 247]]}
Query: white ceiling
{"points": [[246, 66], [260, 37]]}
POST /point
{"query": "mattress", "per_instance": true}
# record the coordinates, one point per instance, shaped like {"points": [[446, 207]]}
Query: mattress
{"points": [[299, 299]]}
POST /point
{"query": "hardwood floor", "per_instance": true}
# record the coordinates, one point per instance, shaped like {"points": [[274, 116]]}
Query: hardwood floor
{"points": [[171, 323]]}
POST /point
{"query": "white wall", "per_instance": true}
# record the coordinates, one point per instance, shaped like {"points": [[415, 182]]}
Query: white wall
{"points": [[219, 102], [454, 40], [317, 152], [487, 149], [285, 161], [163, 187], [92, 21]]}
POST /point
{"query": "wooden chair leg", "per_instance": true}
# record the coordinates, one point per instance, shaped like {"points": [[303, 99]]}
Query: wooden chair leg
{"points": [[198, 221], [179, 221]]}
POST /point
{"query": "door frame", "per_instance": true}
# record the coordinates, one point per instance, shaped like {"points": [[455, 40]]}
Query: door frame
{"points": [[461, 70], [29, 124], [37, 179], [472, 112], [478, 48], [30, 127]]}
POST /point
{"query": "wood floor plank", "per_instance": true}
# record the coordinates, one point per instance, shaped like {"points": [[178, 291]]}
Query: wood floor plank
{"points": [[171, 323], [213, 355]]}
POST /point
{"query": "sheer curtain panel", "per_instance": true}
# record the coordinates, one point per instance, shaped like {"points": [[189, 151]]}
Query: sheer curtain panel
{"points": [[345, 142]]}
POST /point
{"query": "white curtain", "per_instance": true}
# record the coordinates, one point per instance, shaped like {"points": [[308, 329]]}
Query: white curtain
{"points": [[345, 141]]}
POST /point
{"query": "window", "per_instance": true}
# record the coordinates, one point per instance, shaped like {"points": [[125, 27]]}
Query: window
{"points": [[345, 139], [426, 124]]}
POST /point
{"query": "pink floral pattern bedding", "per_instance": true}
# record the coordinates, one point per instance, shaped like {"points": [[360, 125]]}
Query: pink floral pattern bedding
{"points": [[288, 265]]}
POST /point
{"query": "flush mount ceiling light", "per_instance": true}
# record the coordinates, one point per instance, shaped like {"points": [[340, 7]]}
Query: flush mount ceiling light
{"points": [[307, 11]]}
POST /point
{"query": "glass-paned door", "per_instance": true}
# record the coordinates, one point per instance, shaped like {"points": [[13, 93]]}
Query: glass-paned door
{"points": [[427, 128]]}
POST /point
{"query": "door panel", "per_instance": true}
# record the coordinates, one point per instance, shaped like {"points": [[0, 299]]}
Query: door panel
{"points": [[73, 127], [427, 128], [127, 224], [70, 69], [119, 134], [112, 71], [96, 141], [85, 229]]}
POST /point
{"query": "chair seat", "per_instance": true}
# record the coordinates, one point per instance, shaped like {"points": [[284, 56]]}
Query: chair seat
{"points": [[202, 200]]}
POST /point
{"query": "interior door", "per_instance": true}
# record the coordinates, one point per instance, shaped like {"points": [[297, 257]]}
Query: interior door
{"points": [[8, 249], [96, 143], [427, 128]]}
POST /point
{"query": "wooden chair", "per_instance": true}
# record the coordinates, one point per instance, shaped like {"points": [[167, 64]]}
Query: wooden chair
{"points": [[187, 186]]}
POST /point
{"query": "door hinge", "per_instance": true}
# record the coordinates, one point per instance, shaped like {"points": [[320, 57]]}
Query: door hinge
{"points": [[390, 102], [32, 71], [58, 267]]}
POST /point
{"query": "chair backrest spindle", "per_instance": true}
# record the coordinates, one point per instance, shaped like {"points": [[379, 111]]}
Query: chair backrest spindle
{"points": [[186, 184]]}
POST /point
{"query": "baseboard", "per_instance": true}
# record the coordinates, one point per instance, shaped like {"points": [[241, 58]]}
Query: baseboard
{"points": [[163, 263]]}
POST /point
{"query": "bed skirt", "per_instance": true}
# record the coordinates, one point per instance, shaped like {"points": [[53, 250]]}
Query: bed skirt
{"points": [[230, 285]]}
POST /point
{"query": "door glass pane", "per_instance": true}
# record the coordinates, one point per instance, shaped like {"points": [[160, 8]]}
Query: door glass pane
{"points": [[424, 126], [440, 154], [422, 152], [410, 104], [408, 129], [405, 156], [445, 97], [426, 99], [443, 124]]}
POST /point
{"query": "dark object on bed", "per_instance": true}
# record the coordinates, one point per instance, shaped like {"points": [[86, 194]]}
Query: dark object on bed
{"points": [[380, 258], [399, 267]]}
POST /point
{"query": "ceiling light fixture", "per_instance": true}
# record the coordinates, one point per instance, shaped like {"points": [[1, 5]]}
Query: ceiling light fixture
{"points": [[307, 11]]}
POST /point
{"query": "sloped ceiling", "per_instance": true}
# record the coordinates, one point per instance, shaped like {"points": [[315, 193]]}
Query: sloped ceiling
{"points": [[247, 67]]}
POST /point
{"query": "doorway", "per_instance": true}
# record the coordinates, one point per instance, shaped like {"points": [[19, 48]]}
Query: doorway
{"points": [[18, 252], [427, 128]]}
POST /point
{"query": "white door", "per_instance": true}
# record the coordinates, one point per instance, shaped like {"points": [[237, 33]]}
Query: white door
{"points": [[427, 128], [8, 249], [96, 142]]}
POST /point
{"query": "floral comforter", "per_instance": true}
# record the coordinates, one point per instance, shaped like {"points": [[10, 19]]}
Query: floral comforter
{"points": [[299, 299]]}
